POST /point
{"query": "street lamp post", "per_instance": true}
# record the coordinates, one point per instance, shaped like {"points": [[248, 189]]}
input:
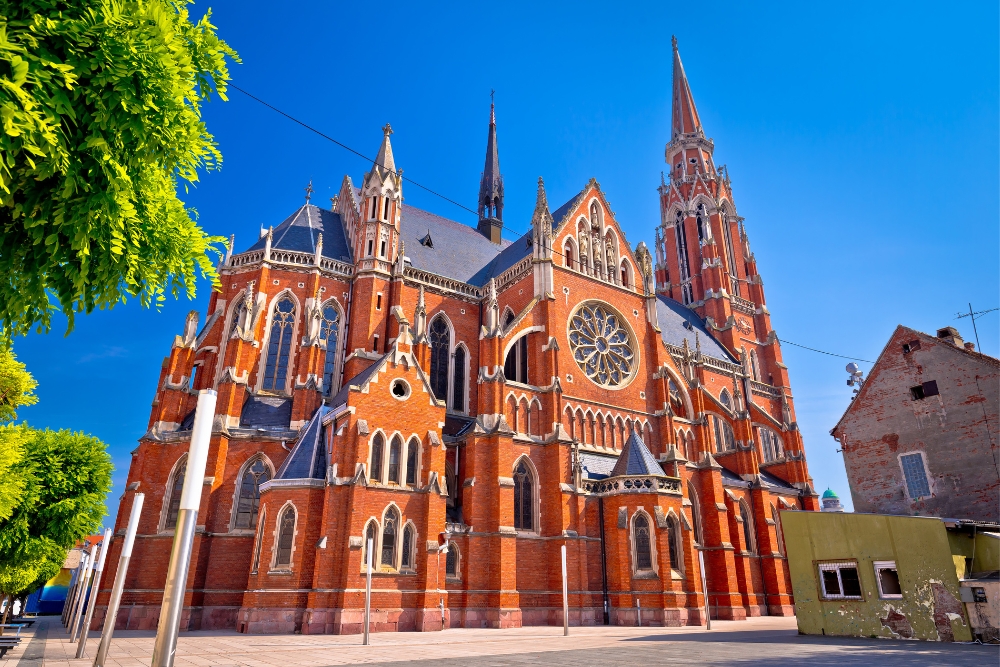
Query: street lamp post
{"points": [[94, 590], [116, 591]]}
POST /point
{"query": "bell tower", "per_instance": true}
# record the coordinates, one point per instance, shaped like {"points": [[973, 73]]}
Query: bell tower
{"points": [[491, 187]]}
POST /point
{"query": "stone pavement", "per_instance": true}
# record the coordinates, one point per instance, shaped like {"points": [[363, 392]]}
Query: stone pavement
{"points": [[773, 642]]}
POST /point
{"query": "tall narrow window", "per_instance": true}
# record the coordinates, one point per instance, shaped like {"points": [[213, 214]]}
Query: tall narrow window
{"points": [[917, 485], [371, 247], [682, 259], [381, 248], [695, 514], [747, 528], [727, 233], [286, 535], [279, 345], [754, 368], [408, 540], [725, 439], [174, 504], [770, 444], [390, 528], [702, 220], [641, 539], [378, 444], [777, 529], [373, 209], [385, 208], [239, 318], [451, 561], [624, 275], [524, 496], [726, 400], [458, 381], [440, 338], [673, 543], [568, 256], [515, 366], [249, 495], [328, 331], [258, 542], [371, 537], [411, 461], [394, 454]]}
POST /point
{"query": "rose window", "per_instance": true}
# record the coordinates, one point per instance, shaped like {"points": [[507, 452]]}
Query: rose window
{"points": [[602, 345]]}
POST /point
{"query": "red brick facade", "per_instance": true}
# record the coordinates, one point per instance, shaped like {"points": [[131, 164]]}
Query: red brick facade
{"points": [[512, 463]]}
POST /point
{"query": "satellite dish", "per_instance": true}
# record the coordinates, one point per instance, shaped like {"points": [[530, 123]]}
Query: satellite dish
{"points": [[852, 368]]}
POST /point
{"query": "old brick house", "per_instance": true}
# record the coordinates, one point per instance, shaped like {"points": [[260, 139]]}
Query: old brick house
{"points": [[920, 437], [386, 373]]}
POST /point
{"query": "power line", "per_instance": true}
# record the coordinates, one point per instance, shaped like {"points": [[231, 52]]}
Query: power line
{"points": [[452, 201], [813, 349]]}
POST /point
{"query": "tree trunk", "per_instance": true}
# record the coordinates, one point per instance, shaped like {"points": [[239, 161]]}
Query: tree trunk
{"points": [[6, 612]]}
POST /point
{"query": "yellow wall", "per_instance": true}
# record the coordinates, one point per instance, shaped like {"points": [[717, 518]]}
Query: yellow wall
{"points": [[924, 559]]}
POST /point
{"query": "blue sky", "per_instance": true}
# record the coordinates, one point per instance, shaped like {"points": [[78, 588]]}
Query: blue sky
{"points": [[862, 140]]}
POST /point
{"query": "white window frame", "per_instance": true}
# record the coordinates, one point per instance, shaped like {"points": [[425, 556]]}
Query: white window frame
{"points": [[836, 567], [886, 565]]}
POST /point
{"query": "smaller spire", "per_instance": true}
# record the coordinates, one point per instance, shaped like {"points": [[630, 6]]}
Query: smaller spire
{"points": [[491, 185], [384, 158]]}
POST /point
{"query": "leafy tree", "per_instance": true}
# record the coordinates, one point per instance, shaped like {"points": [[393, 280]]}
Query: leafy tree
{"points": [[16, 389], [100, 108], [67, 476]]}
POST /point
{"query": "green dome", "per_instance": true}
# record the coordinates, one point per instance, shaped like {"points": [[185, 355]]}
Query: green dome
{"points": [[830, 493]]}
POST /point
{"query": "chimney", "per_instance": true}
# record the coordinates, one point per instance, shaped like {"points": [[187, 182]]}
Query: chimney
{"points": [[951, 335], [971, 347]]}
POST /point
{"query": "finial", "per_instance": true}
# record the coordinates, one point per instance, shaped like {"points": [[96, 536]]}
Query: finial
{"points": [[387, 130], [673, 41], [309, 190]]}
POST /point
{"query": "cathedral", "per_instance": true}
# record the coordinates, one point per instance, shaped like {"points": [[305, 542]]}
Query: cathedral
{"points": [[463, 405]]}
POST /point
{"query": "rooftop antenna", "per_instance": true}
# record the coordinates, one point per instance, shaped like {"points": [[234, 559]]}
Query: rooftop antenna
{"points": [[973, 317]]}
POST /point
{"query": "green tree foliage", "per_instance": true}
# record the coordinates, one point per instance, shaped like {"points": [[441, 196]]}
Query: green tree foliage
{"points": [[67, 476], [17, 388], [100, 123]]}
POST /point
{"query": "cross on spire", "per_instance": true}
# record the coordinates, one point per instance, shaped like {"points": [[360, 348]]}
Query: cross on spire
{"points": [[309, 190]]}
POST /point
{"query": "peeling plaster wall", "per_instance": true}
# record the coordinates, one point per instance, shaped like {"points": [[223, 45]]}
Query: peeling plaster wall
{"points": [[930, 607]]}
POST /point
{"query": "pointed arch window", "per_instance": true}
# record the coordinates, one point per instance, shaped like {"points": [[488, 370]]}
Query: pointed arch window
{"points": [[673, 543], [258, 541], [754, 367], [687, 293], [641, 543], [451, 561], [248, 501], [747, 529], [390, 530], [695, 514], [176, 486], [725, 439], [286, 535], [371, 537], [394, 459], [239, 317], [524, 497], [409, 539], [676, 400], [328, 331], [458, 381], [515, 366], [725, 399], [625, 280], [568, 255], [378, 445], [777, 529], [412, 449], [440, 338], [702, 220], [279, 345], [771, 447]]}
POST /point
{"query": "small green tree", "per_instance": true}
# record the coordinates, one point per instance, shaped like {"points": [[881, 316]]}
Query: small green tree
{"points": [[100, 122], [67, 477]]}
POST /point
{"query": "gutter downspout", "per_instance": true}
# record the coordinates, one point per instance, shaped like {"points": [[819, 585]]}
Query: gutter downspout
{"points": [[604, 565]]}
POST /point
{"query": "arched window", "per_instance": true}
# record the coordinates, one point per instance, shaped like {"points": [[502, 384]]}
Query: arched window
{"points": [[452, 561], [568, 255], [328, 333], [682, 258], [458, 383], [176, 486], [754, 368], [695, 514], [777, 529], [412, 449], [515, 366], [725, 439], [440, 338], [524, 497], [702, 219], [625, 280], [248, 500], [371, 537], [279, 345], [286, 535], [641, 543], [239, 315], [258, 541], [373, 208], [378, 444], [394, 459], [771, 447], [747, 528], [673, 543], [508, 317], [390, 528], [726, 400], [727, 235], [676, 400], [409, 539]]}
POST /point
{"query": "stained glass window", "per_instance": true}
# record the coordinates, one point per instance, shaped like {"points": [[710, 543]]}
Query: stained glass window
{"points": [[249, 498], [328, 331], [440, 339], [378, 444], [389, 531], [602, 345], [279, 346], [643, 551], [412, 449], [523, 498], [286, 534], [173, 507]]}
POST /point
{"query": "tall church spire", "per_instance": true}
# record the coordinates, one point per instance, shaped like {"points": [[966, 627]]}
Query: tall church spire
{"points": [[684, 118], [491, 187]]}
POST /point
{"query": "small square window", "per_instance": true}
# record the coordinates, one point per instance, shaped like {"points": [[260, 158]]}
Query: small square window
{"points": [[840, 581], [888, 579], [912, 346], [917, 393], [930, 388]]}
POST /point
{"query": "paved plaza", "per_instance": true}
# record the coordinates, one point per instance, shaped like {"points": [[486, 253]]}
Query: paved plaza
{"points": [[773, 642]]}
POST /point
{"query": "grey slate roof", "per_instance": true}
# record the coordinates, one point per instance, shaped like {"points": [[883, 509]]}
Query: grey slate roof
{"points": [[636, 459], [560, 213], [299, 232], [597, 466], [459, 251], [671, 317], [266, 412], [308, 457], [358, 380], [776, 482], [732, 479]]}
